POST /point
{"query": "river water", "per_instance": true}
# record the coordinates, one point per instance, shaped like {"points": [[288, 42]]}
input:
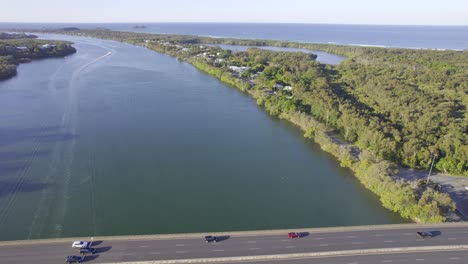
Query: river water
{"points": [[117, 139]]}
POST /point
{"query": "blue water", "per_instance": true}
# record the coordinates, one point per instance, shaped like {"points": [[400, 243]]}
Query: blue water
{"points": [[435, 37]]}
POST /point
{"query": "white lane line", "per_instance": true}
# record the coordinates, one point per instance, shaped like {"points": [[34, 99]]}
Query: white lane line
{"points": [[452, 238], [357, 243], [388, 241], [155, 253], [319, 238], [387, 261], [251, 242], [379, 235], [323, 245], [180, 245], [419, 259], [129, 254], [285, 240], [181, 252], [353, 263], [143, 246], [466, 232], [408, 234], [350, 237], [454, 258], [290, 247], [254, 248], [218, 250]]}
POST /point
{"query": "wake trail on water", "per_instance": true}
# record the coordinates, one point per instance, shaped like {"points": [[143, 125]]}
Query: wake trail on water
{"points": [[52, 207]]}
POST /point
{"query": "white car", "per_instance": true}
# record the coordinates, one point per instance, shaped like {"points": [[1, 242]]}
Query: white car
{"points": [[81, 244]]}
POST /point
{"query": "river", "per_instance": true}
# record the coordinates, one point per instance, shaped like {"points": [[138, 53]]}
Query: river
{"points": [[117, 139]]}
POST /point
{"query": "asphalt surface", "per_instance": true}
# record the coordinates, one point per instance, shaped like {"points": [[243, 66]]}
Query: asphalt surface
{"points": [[449, 257], [236, 245]]}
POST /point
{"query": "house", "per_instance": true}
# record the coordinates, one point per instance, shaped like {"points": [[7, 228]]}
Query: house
{"points": [[238, 69], [46, 47], [22, 48], [279, 86]]}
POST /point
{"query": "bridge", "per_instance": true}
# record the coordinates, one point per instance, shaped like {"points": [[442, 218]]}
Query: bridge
{"points": [[339, 245]]}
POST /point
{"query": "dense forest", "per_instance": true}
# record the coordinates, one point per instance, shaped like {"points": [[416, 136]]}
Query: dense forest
{"points": [[18, 48], [390, 106]]}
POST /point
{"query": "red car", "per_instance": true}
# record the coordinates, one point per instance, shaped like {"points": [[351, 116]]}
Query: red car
{"points": [[294, 235]]}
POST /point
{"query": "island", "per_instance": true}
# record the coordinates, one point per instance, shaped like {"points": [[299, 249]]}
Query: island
{"points": [[379, 112], [20, 48]]}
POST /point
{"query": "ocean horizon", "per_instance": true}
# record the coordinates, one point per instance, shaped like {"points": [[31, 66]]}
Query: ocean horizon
{"points": [[390, 36]]}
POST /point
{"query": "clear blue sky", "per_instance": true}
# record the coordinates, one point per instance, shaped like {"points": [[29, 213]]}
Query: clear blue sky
{"points": [[395, 12]]}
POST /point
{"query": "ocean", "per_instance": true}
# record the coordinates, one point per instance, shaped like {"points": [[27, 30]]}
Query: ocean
{"points": [[420, 37]]}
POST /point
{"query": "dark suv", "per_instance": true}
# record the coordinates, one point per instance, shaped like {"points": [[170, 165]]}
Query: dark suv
{"points": [[209, 239], [74, 259], [85, 251]]}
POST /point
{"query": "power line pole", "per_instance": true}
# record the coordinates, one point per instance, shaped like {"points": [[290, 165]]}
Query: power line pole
{"points": [[429, 175]]}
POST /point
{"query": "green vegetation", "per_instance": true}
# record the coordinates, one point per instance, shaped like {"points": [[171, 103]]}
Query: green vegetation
{"points": [[17, 48], [377, 108]]}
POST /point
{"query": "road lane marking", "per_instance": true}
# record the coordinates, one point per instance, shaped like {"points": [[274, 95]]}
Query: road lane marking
{"points": [[181, 252], [408, 234], [387, 261], [353, 263], [357, 243], [319, 238], [180, 245], [155, 253], [251, 242], [143, 246], [323, 245], [218, 250], [454, 258], [388, 241], [290, 247], [285, 240], [452, 238], [129, 254], [379, 235], [350, 237], [254, 248], [419, 259]]}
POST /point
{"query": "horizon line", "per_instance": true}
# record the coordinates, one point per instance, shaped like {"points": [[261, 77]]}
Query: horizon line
{"points": [[231, 22]]}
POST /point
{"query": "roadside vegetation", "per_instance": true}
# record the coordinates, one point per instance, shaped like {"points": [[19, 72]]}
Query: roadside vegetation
{"points": [[377, 109], [20, 48]]}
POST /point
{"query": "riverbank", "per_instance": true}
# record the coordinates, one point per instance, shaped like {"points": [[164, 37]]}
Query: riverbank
{"points": [[22, 48], [424, 205]]}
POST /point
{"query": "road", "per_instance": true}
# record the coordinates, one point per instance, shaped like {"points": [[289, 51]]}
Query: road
{"points": [[449, 257], [243, 244]]}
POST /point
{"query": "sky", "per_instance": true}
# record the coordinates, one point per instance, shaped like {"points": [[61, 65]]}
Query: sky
{"points": [[384, 12]]}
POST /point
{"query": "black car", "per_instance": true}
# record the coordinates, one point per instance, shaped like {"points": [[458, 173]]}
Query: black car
{"points": [[209, 239], [424, 234], [74, 259], [85, 251]]}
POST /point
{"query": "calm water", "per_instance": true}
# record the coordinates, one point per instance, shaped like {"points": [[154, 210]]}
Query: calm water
{"points": [[117, 139], [441, 37]]}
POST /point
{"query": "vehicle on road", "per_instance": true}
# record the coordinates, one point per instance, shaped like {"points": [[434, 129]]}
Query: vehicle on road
{"points": [[424, 234], [85, 251], [81, 244], [74, 259], [294, 235], [209, 239]]}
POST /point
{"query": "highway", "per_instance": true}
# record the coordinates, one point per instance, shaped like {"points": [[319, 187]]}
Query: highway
{"points": [[191, 246]]}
